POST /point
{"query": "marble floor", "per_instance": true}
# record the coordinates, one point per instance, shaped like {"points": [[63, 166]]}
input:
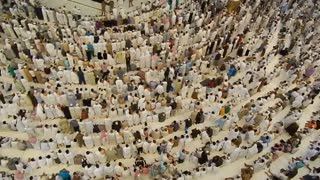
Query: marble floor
{"points": [[229, 170]]}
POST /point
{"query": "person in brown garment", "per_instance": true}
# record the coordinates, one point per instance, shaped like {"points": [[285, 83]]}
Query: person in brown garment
{"points": [[247, 172], [79, 138]]}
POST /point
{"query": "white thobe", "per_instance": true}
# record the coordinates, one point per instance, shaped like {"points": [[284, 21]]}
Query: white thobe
{"points": [[252, 151], [91, 159], [127, 152], [227, 147], [88, 141], [235, 154], [62, 158], [98, 173], [70, 158]]}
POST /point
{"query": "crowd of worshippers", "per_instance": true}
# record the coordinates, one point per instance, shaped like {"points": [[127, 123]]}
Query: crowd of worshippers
{"points": [[108, 80]]}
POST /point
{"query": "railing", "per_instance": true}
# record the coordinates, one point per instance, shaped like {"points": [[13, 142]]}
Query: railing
{"points": [[128, 11], [84, 5]]}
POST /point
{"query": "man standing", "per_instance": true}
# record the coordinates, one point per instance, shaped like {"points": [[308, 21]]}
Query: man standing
{"points": [[128, 59], [2, 98], [81, 76], [130, 3], [170, 4], [103, 7]]}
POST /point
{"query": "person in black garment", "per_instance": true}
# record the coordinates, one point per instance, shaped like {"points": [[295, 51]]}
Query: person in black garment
{"points": [[116, 125], [188, 123], [81, 76], [204, 157], [66, 112]]}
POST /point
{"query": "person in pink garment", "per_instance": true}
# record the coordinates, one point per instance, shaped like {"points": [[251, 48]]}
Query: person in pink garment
{"points": [[19, 175], [103, 136]]}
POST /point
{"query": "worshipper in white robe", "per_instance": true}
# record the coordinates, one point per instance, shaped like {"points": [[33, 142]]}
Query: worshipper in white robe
{"points": [[109, 169], [20, 126], [147, 60], [58, 111], [89, 171], [111, 61], [233, 133], [51, 49], [90, 157], [143, 115], [48, 112], [79, 52], [141, 103], [153, 147], [298, 100], [126, 136], [264, 125], [235, 154], [145, 146], [97, 108], [250, 136], [13, 109], [72, 112], [100, 154], [88, 141], [108, 124], [47, 130], [41, 161], [253, 150], [96, 139], [3, 25], [67, 141], [127, 151], [142, 62], [119, 169], [61, 156], [205, 137], [51, 16], [59, 137], [112, 137], [3, 58], [91, 113], [119, 138], [52, 144], [89, 127], [70, 60], [115, 13], [227, 146], [243, 152], [173, 18], [51, 99], [259, 164], [40, 112], [120, 111], [287, 40], [129, 118], [169, 146], [33, 164], [69, 157], [3, 110], [98, 171], [9, 28], [44, 146], [49, 161], [119, 84], [112, 113], [44, 13]]}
